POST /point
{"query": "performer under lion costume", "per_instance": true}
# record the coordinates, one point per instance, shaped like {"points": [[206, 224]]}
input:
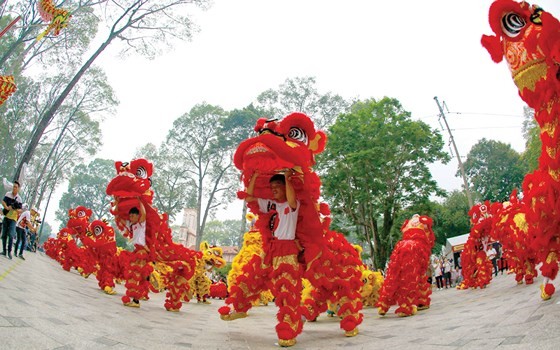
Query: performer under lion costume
{"points": [[406, 283], [131, 188], [324, 257], [208, 258], [476, 268], [528, 38]]}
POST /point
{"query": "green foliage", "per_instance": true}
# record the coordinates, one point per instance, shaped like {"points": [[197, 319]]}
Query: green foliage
{"points": [[451, 218], [173, 189], [376, 164], [222, 272], [87, 187], [494, 170], [222, 233], [44, 232], [300, 95], [533, 144]]}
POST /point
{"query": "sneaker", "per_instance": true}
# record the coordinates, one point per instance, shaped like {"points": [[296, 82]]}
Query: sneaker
{"points": [[132, 304], [21, 257]]}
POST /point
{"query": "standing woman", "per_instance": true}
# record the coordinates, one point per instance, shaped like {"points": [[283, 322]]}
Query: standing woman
{"points": [[438, 274]]}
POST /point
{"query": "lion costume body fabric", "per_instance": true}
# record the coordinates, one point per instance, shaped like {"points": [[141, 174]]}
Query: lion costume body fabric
{"points": [[528, 38], [129, 188], [321, 256], [406, 283], [510, 228]]}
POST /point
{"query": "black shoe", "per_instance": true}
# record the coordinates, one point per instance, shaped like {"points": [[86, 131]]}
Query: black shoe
{"points": [[15, 255], [3, 253], [21, 257], [9, 256]]}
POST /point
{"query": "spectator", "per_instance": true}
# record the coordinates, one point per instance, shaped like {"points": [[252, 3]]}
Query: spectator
{"points": [[438, 274], [12, 204], [456, 276], [22, 226], [446, 272], [491, 254]]}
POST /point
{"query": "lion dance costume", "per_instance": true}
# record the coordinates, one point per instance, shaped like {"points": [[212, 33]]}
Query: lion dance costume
{"points": [[102, 246], [175, 263], [406, 283], [476, 268], [321, 256], [528, 38], [208, 258]]}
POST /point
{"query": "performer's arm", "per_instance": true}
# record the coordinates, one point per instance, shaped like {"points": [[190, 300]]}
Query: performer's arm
{"points": [[290, 192], [251, 187], [142, 212]]}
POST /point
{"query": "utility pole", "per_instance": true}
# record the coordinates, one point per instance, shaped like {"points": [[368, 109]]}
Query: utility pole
{"points": [[465, 182]]}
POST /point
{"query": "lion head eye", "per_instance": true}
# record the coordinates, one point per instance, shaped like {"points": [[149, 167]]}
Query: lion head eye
{"points": [[81, 214], [298, 135], [512, 24], [141, 172], [98, 230]]}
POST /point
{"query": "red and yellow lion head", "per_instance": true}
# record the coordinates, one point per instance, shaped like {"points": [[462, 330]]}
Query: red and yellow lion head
{"points": [[212, 256], [78, 220], [101, 231], [290, 143], [131, 184], [527, 37], [419, 228]]}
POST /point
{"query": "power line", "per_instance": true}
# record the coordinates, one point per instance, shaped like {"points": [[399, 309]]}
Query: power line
{"points": [[488, 114], [465, 182], [490, 127]]}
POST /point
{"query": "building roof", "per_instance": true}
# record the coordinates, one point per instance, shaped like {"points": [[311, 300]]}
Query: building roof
{"points": [[230, 250], [457, 240]]}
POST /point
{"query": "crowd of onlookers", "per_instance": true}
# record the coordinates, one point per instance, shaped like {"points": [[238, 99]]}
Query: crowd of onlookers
{"points": [[444, 273], [19, 225]]}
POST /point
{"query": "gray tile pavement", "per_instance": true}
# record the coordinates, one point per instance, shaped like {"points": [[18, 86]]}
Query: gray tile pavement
{"points": [[45, 307]]}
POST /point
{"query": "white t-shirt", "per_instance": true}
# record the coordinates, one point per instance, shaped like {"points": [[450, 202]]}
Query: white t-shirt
{"points": [[491, 254], [24, 219], [285, 221], [138, 232]]}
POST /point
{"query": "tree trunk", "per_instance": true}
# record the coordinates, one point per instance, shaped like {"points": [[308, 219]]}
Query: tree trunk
{"points": [[46, 161], [44, 214], [50, 113]]}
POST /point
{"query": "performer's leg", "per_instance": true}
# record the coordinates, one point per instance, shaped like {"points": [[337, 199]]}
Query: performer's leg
{"points": [[287, 287]]}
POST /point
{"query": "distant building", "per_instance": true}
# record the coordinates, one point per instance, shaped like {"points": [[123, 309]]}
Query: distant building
{"points": [[229, 253], [187, 231]]}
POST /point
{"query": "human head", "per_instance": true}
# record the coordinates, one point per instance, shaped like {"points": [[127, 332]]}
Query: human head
{"points": [[24, 206], [15, 187], [278, 186], [134, 215]]}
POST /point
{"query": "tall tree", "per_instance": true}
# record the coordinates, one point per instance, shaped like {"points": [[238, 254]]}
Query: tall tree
{"points": [[173, 188], [300, 95], [87, 187], [236, 127], [494, 169], [533, 144], [143, 25], [377, 164], [195, 140]]}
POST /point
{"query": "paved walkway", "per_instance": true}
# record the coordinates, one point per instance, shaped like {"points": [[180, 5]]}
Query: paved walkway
{"points": [[45, 307]]}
